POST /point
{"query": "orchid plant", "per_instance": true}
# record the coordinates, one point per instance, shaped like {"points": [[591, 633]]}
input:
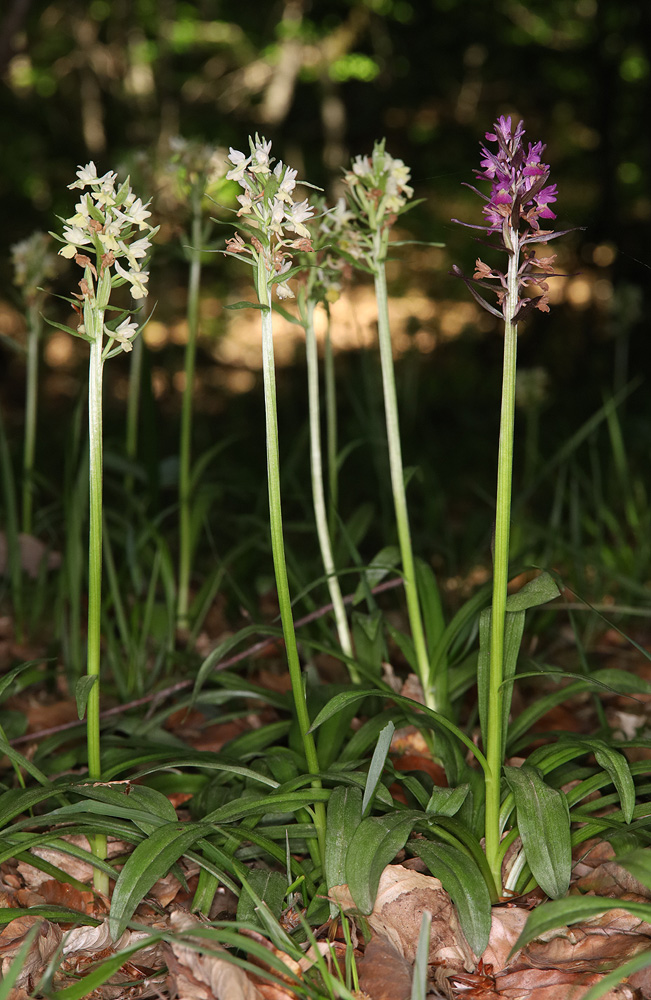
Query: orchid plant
{"points": [[520, 197], [273, 228], [378, 192], [109, 237]]}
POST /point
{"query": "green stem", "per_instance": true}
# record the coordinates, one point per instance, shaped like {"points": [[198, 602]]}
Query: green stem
{"points": [[31, 400], [331, 431], [318, 493], [494, 735], [278, 549], [185, 452], [94, 318], [435, 697]]}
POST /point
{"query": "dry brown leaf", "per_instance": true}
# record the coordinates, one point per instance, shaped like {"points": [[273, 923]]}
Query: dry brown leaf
{"points": [[506, 926], [612, 880], [602, 943], [402, 897], [553, 984], [196, 976], [43, 947], [383, 972]]}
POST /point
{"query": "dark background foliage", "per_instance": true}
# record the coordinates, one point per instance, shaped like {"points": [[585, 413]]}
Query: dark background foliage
{"points": [[324, 78]]}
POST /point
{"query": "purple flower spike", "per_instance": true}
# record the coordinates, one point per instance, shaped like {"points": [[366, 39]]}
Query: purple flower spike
{"points": [[519, 197]]}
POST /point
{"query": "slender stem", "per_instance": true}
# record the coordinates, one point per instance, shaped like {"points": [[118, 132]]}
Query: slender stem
{"points": [[331, 431], [434, 697], [494, 734], [31, 401], [185, 453], [278, 549], [318, 493], [95, 325]]}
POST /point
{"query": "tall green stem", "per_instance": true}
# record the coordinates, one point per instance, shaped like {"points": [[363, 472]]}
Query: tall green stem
{"points": [[331, 431], [435, 696], [278, 548], [185, 455], [494, 737], [94, 318], [31, 398], [318, 497]]}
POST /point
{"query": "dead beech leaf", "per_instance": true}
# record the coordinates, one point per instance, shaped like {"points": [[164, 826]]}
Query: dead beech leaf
{"points": [[383, 972], [43, 947], [402, 897], [613, 880], [599, 944], [507, 924], [552, 984], [194, 975]]}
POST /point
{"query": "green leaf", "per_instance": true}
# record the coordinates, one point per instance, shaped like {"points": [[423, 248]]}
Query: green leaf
{"points": [[54, 913], [380, 565], [638, 863], [374, 845], [245, 305], [151, 860], [376, 766], [343, 817], [538, 591], [83, 687], [562, 912], [618, 769], [419, 983], [430, 602], [368, 640], [447, 801], [426, 717], [269, 886], [460, 876], [544, 823]]}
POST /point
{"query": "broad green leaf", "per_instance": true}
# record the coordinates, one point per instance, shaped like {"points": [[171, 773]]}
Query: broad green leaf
{"points": [[270, 886], [447, 801], [544, 825], [83, 687], [618, 769], [343, 817], [151, 860], [376, 766], [540, 590], [562, 912], [460, 876], [374, 844]]}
